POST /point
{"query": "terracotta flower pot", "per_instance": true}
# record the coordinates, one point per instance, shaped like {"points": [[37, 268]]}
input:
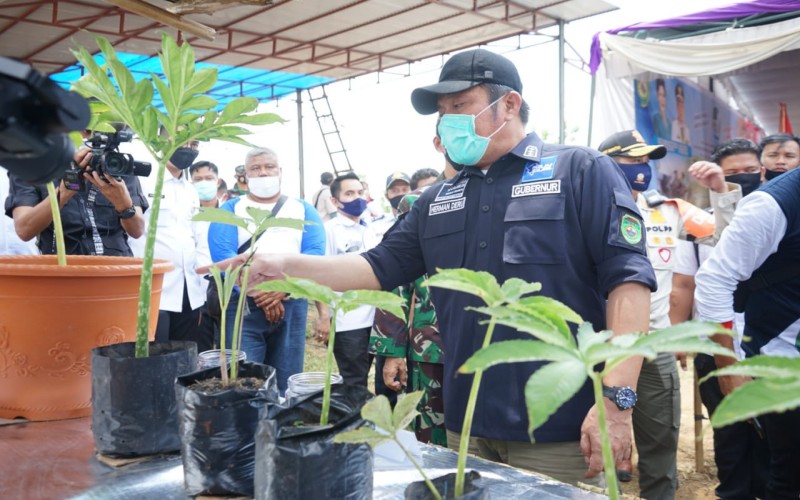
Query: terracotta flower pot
{"points": [[50, 319]]}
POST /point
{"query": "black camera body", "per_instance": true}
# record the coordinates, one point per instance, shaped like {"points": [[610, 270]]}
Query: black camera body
{"points": [[106, 160]]}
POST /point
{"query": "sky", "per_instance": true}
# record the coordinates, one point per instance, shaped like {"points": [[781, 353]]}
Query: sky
{"points": [[382, 133]]}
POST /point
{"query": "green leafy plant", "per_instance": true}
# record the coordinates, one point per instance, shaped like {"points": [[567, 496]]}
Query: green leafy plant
{"points": [[572, 358], [775, 388], [187, 114], [389, 423], [258, 221], [339, 303]]}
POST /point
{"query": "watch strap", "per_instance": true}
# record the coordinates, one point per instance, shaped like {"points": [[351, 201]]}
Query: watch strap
{"points": [[127, 213]]}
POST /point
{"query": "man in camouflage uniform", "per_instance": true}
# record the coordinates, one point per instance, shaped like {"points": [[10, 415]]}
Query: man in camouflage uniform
{"points": [[419, 341]]}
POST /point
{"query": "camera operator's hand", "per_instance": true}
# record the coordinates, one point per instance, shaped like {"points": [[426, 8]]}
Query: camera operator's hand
{"points": [[117, 193]]}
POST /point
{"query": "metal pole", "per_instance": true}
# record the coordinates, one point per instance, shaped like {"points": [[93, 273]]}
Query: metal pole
{"points": [[699, 458], [300, 162], [591, 111], [561, 124]]}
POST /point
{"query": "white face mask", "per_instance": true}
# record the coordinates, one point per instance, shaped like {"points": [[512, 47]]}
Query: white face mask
{"points": [[264, 187]]}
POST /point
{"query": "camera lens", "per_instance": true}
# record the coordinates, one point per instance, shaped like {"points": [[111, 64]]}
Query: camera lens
{"points": [[116, 164]]}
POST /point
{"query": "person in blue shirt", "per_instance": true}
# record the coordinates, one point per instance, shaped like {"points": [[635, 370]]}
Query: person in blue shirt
{"points": [[559, 215], [274, 328]]}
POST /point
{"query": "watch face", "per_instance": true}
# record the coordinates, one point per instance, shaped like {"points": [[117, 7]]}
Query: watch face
{"points": [[625, 398]]}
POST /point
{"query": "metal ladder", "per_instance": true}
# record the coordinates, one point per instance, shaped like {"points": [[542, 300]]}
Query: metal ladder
{"points": [[329, 130]]}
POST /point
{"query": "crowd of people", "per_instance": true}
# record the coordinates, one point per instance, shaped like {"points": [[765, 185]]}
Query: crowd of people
{"points": [[582, 222]]}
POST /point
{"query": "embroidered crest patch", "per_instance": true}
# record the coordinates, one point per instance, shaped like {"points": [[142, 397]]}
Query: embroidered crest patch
{"points": [[541, 171], [631, 229]]}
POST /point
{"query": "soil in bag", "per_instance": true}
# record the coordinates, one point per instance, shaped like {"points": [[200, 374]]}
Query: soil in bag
{"points": [[297, 458], [218, 428]]}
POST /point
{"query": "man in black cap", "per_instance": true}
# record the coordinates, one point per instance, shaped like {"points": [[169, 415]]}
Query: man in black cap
{"points": [[656, 418], [559, 215], [240, 187]]}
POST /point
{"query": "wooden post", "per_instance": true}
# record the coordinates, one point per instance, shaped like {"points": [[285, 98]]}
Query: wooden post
{"points": [[699, 458]]}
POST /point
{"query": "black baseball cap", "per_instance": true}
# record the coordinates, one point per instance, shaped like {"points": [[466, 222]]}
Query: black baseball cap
{"points": [[464, 71], [631, 143]]}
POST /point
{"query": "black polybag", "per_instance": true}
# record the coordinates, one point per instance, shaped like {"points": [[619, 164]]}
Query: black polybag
{"points": [[218, 430], [446, 485], [133, 404], [295, 461]]}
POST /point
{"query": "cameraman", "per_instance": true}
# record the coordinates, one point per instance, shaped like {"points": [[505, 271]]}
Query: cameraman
{"points": [[97, 220]]}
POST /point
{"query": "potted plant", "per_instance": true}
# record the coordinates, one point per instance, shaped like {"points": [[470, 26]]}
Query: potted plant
{"points": [[214, 404], [187, 114], [572, 358], [44, 358], [296, 456]]}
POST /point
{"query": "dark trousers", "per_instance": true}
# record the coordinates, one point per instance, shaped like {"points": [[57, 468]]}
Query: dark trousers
{"points": [[186, 325], [742, 457], [351, 350], [783, 436]]}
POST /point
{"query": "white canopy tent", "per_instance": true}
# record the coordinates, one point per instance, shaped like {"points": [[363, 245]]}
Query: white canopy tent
{"points": [[753, 68]]}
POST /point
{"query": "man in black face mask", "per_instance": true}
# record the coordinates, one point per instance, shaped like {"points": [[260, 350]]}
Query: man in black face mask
{"points": [[183, 243], [739, 160], [397, 185]]}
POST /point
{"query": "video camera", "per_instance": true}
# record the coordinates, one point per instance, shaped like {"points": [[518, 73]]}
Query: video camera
{"points": [[35, 116], [106, 160]]}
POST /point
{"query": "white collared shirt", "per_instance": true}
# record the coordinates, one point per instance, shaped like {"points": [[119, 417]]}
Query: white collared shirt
{"points": [[178, 239]]}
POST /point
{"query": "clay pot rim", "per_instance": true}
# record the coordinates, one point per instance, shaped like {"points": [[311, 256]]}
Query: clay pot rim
{"points": [[77, 265]]}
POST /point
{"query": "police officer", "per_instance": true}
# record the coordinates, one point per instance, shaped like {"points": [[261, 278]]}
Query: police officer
{"points": [[656, 418], [559, 215]]}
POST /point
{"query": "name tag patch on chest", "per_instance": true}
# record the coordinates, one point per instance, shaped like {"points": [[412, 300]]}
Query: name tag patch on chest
{"points": [[541, 171], [447, 206], [536, 188], [451, 191]]}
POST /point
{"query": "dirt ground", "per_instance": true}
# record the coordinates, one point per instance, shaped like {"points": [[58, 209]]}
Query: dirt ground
{"points": [[694, 484]]}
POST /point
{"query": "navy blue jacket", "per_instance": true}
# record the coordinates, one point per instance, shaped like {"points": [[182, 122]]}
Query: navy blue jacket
{"points": [[559, 215]]}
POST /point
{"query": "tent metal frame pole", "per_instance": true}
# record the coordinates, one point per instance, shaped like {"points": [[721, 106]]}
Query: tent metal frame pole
{"points": [[561, 86], [591, 111], [300, 161]]}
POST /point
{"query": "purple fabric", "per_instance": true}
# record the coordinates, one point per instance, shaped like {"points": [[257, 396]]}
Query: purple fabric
{"points": [[718, 14]]}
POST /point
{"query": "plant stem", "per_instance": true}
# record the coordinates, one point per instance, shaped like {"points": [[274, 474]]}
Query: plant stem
{"points": [[57, 228], [428, 482], [146, 284], [223, 306], [238, 324], [612, 488], [326, 393], [466, 429]]}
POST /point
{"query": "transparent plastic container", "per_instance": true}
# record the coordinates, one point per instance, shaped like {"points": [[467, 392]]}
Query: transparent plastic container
{"points": [[210, 359], [302, 384]]}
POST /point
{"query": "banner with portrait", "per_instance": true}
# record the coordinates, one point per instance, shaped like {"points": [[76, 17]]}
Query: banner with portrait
{"points": [[690, 122]]}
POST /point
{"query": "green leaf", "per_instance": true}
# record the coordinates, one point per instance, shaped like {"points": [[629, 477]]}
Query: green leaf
{"points": [[142, 95], [361, 435], [378, 410], [300, 288], [237, 107], [478, 283], [608, 352], [515, 351], [689, 329], [550, 387], [166, 98], [235, 140], [587, 337], [261, 119], [203, 80], [757, 398], [528, 323], [220, 216], [386, 301], [230, 130], [553, 306], [405, 411], [200, 102], [514, 288], [189, 118], [762, 366]]}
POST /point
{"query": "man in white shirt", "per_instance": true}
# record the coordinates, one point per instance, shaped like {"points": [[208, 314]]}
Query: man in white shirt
{"points": [[349, 233], [273, 326], [322, 198], [182, 242], [757, 258]]}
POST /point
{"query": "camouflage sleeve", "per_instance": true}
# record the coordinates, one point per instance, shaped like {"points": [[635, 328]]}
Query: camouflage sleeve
{"points": [[389, 333]]}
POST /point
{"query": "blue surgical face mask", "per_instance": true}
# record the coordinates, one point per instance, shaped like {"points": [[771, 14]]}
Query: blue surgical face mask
{"points": [[207, 190], [355, 207], [638, 175], [462, 144]]}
